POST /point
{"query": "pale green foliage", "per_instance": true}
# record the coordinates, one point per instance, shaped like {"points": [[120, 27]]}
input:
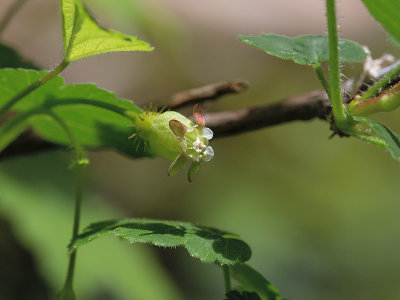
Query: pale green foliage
{"points": [[205, 243], [84, 37], [387, 13], [304, 49]]}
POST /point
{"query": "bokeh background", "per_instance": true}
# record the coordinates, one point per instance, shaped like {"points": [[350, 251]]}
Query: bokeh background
{"points": [[321, 215]]}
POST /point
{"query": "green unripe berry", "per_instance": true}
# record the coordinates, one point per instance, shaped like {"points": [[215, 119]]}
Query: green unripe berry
{"points": [[154, 128], [162, 140]]}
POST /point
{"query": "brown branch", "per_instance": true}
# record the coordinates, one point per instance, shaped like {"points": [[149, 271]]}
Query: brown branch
{"points": [[301, 107], [208, 92]]}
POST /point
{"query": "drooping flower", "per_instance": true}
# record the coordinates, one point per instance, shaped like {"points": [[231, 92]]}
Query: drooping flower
{"points": [[193, 144], [175, 137]]}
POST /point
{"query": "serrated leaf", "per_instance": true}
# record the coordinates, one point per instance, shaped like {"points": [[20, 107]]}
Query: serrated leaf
{"points": [[83, 37], [386, 12], [382, 135], [93, 127], [251, 280], [10, 58], [304, 49], [205, 243]]}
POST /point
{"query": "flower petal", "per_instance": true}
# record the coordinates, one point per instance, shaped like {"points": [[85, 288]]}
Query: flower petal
{"points": [[199, 116], [207, 133], [193, 170], [177, 164], [178, 129], [209, 153]]}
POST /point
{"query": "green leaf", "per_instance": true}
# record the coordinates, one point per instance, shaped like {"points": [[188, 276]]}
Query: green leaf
{"points": [[251, 280], [304, 49], [374, 132], [386, 12], [236, 295], [81, 106], [10, 58], [83, 37], [205, 243], [36, 198]]}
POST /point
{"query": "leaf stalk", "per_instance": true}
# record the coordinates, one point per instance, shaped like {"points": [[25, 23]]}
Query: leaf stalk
{"points": [[29, 89]]}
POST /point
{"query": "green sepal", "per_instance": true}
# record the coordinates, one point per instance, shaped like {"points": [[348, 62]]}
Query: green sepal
{"points": [[194, 169], [177, 164]]}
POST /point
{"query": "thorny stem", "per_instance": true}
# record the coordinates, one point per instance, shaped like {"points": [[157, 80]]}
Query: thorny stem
{"points": [[10, 13], [339, 112], [227, 278], [52, 74], [320, 74]]}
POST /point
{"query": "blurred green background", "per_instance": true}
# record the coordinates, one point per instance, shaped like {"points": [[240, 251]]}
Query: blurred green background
{"points": [[321, 215]]}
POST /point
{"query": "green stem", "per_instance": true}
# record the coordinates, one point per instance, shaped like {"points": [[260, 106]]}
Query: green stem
{"points": [[227, 278], [373, 90], [75, 228], [80, 154], [339, 112], [67, 292], [52, 74], [10, 14], [320, 74]]}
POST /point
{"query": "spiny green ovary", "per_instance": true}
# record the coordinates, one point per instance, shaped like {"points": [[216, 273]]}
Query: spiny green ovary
{"points": [[143, 124]]}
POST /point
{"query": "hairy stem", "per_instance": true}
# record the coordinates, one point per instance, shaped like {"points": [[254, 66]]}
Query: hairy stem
{"points": [[339, 112], [227, 278], [8, 16], [52, 74], [320, 74]]}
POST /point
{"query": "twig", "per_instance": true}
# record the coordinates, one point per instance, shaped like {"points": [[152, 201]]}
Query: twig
{"points": [[301, 107], [207, 92]]}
